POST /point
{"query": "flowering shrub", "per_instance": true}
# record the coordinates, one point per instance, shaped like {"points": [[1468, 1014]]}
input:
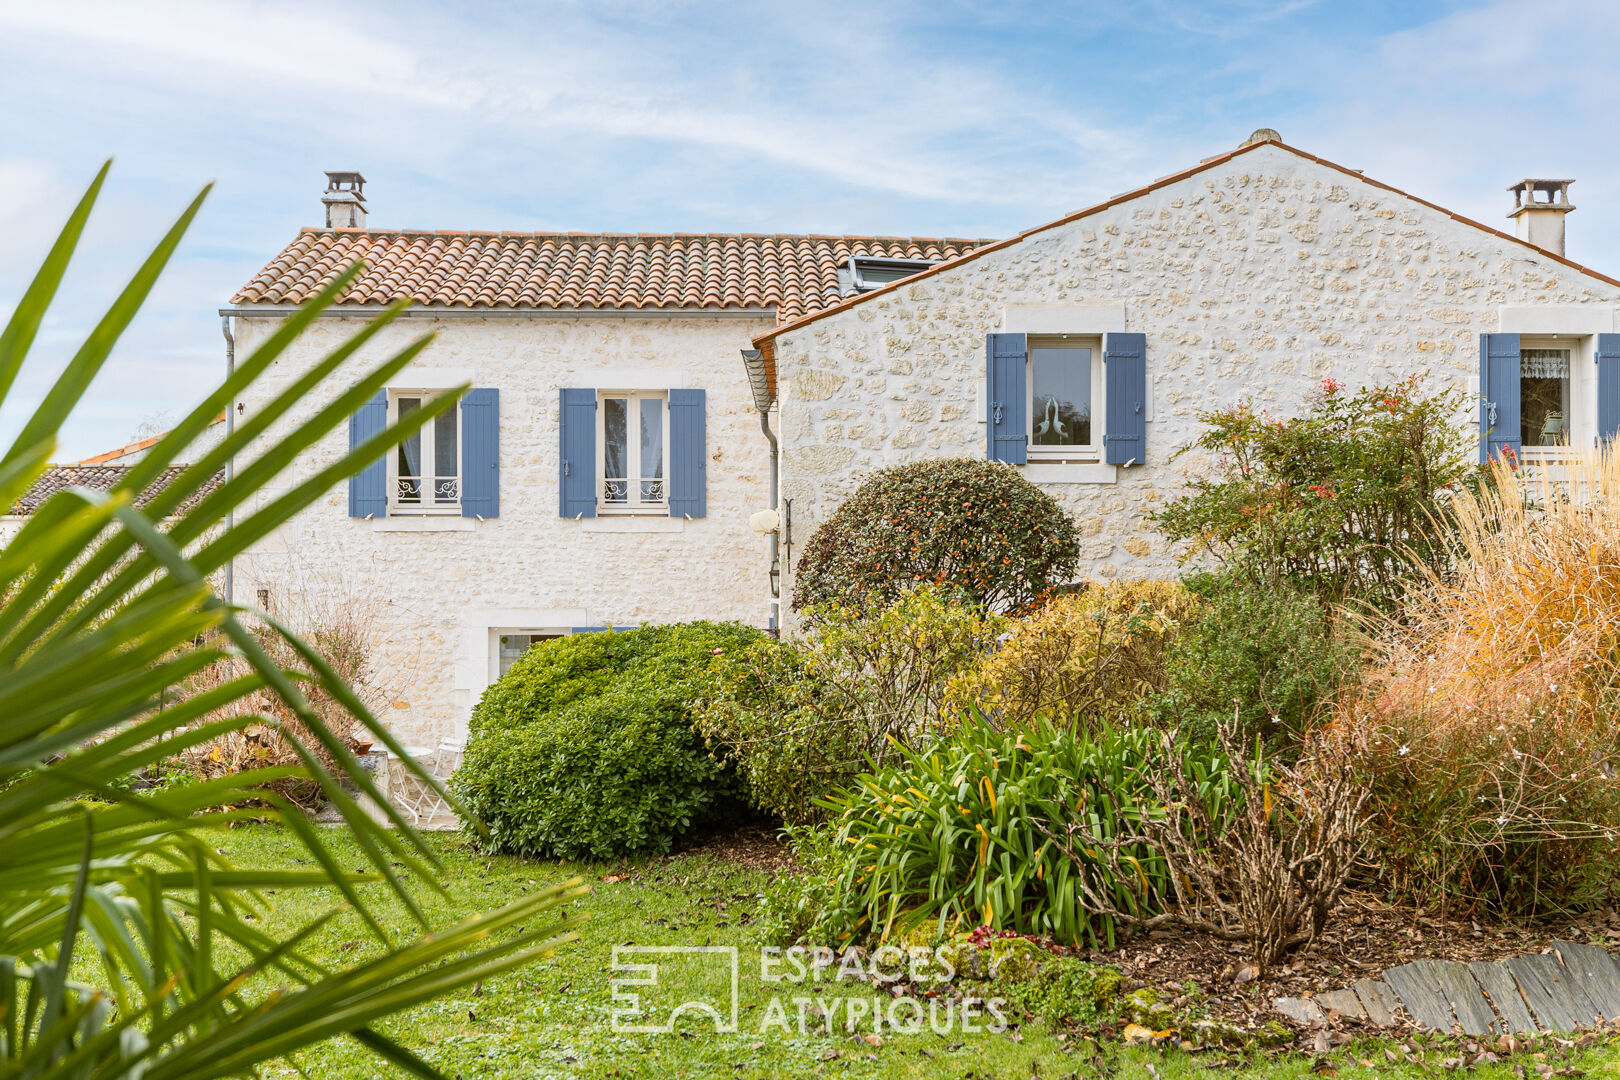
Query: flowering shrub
{"points": [[1343, 500], [977, 526], [1082, 656], [1494, 720], [802, 717]]}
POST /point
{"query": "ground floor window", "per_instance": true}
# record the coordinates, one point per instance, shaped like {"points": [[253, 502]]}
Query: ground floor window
{"points": [[510, 647]]}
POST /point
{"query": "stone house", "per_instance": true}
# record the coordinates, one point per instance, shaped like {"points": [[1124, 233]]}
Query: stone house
{"points": [[1081, 351], [602, 472], [614, 464]]}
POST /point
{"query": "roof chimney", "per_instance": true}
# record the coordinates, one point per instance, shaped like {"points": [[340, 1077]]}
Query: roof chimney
{"points": [[1541, 221], [345, 205]]}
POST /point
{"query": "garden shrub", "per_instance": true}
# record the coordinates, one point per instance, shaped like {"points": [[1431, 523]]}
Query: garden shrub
{"points": [[962, 834], [978, 526], [340, 627], [802, 718], [1343, 500], [1264, 658], [586, 748], [1494, 715], [1091, 654], [1262, 860]]}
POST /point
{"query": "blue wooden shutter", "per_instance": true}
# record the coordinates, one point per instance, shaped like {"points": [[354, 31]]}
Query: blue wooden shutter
{"points": [[1608, 386], [1007, 355], [368, 488], [481, 454], [1499, 397], [576, 486], [1125, 391], [688, 453]]}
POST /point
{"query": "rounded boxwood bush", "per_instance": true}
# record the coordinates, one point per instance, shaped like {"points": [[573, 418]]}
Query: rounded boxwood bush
{"points": [[976, 526], [585, 749]]}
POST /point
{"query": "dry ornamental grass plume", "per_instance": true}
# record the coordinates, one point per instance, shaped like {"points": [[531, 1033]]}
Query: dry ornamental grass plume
{"points": [[1492, 718]]}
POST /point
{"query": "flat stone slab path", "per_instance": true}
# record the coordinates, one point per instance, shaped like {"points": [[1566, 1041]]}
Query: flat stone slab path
{"points": [[1571, 987]]}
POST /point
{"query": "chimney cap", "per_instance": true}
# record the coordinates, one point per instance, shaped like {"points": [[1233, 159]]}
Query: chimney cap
{"points": [[1525, 191], [346, 181]]}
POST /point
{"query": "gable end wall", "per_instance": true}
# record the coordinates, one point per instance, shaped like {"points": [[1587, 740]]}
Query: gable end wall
{"points": [[1255, 279]]}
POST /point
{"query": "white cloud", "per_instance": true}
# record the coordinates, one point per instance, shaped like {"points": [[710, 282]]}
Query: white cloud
{"points": [[964, 117]]}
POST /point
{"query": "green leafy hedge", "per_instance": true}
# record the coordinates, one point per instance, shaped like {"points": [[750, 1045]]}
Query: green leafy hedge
{"points": [[585, 749], [975, 526]]}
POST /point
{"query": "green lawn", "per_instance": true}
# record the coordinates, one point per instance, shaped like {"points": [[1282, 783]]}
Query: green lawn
{"points": [[555, 1019]]}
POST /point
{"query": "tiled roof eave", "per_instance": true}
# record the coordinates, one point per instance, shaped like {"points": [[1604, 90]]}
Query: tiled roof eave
{"points": [[780, 276]]}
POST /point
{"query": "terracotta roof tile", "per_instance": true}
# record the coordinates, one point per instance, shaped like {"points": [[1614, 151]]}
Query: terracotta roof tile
{"points": [[103, 478], [796, 275], [136, 447]]}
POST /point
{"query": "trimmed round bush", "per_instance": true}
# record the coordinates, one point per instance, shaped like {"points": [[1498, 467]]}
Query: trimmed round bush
{"points": [[585, 749], [975, 526]]}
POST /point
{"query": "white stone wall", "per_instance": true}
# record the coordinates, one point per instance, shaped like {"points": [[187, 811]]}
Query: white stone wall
{"points": [[1255, 279], [432, 589]]}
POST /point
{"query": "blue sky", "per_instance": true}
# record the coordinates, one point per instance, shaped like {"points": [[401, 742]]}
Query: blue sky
{"points": [[934, 118]]}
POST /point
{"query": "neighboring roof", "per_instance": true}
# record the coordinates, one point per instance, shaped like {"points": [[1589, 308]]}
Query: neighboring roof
{"points": [[103, 478], [795, 275], [761, 362], [136, 447]]}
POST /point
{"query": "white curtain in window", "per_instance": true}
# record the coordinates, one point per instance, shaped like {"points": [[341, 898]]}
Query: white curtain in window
{"points": [[1544, 364]]}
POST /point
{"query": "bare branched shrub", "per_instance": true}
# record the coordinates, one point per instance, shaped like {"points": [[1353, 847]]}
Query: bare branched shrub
{"points": [[1265, 870], [340, 627], [1494, 718]]}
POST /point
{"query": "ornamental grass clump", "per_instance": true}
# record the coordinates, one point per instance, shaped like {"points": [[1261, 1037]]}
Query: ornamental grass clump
{"points": [[1494, 719], [977, 527], [962, 834]]}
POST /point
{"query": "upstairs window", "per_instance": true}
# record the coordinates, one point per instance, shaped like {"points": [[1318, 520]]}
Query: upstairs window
{"points": [[867, 273], [634, 438], [1065, 379], [426, 467], [1544, 398]]}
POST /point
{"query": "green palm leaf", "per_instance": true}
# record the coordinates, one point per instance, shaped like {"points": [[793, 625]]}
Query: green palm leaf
{"points": [[104, 598]]}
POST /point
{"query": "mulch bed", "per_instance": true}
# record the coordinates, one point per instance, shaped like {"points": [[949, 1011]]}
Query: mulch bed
{"points": [[756, 845], [1365, 937]]}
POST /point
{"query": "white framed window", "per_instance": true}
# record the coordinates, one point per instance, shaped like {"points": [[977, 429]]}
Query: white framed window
{"points": [[1065, 388], [509, 646], [868, 272], [633, 436], [1548, 393], [424, 471]]}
